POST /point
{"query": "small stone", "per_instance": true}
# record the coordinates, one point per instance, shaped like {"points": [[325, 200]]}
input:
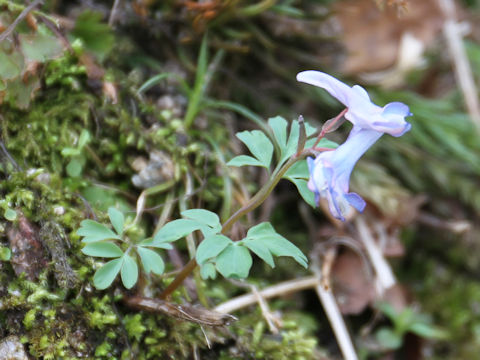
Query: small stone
{"points": [[12, 349], [157, 170], [59, 210]]}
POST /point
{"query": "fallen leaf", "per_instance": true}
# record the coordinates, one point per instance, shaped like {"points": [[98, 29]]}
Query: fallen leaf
{"points": [[352, 285]]}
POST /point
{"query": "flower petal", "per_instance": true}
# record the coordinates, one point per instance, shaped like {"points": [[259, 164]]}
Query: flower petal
{"points": [[335, 87], [356, 201], [396, 108], [361, 91], [361, 111], [330, 172]]}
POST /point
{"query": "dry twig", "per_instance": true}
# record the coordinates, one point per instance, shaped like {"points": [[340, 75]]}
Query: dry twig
{"points": [[283, 288], [334, 315], [385, 277], [463, 71], [20, 17], [113, 13]]}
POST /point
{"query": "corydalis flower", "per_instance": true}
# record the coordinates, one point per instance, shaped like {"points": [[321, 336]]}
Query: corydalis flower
{"points": [[361, 111], [330, 172]]}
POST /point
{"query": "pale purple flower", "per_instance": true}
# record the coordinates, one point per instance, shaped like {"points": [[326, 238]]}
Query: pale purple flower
{"points": [[361, 111], [330, 172]]}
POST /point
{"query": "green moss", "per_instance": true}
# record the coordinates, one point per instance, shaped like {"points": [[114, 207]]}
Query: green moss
{"points": [[254, 341], [134, 326]]}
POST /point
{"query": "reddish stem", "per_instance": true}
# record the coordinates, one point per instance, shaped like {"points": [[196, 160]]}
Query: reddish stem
{"points": [[326, 129]]}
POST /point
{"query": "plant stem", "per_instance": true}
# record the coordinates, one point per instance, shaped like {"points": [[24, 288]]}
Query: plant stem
{"points": [[252, 204], [330, 125], [17, 7], [20, 17], [260, 197]]}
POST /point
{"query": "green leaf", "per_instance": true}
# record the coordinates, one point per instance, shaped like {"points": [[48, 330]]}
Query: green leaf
{"points": [[40, 46], [388, 310], [203, 216], [309, 129], [208, 271], [75, 167], [299, 175], [10, 214], [175, 230], [129, 271], [104, 276], [151, 261], [428, 331], [388, 338], [199, 87], [102, 249], [292, 142], [258, 144], [149, 243], [299, 170], [240, 109], [305, 192], [69, 151], [279, 126], [211, 246], [95, 34], [405, 319], [117, 219], [20, 91], [244, 160], [260, 250], [265, 234], [324, 143], [153, 81], [5, 253], [279, 246], [84, 139], [11, 65], [234, 262], [93, 231]]}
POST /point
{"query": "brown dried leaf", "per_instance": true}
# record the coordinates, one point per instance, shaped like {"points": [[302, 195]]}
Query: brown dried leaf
{"points": [[352, 285], [372, 36], [398, 297]]}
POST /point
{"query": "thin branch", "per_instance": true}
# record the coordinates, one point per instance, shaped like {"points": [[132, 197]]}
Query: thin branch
{"points": [[463, 71], [333, 313], [281, 289], [273, 322], [7, 154], [113, 13], [336, 321], [20, 17], [183, 312], [455, 226], [386, 278]]}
